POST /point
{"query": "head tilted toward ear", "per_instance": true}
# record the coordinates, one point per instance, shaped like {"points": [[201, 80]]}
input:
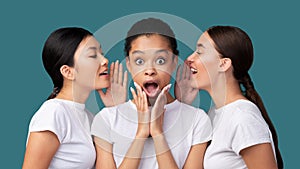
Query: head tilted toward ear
{"points": [[232, 42], [59, 50], [149, 27]]}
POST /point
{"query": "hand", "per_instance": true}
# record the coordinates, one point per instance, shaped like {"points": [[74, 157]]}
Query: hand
{"points": [[157, 112], [141, 102], [184, 92], [116, 93]]}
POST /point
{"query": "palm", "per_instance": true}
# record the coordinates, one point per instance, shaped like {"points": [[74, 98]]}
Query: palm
{"points": [[184, 92], [116, 93]]}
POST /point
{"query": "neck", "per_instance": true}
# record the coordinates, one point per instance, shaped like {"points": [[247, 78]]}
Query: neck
{"points": [[73, 93], [225, 93]]}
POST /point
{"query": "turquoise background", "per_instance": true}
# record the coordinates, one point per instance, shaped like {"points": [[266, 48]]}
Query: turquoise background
{"points": [[273, 27]]}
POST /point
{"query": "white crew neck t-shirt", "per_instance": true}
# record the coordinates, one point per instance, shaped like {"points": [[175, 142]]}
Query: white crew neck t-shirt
{"points": [[71, 122], [183, 126], [236, 126]]}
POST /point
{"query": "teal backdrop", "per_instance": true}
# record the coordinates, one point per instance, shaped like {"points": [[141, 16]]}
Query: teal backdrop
{"points": [[273, 27]]}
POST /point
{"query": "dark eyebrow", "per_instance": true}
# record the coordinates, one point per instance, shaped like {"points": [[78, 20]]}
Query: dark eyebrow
{"points": [[200, 45], [138, 52], [162, 50]]}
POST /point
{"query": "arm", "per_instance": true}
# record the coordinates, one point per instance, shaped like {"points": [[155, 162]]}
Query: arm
{"points": [[164, 156], [40, 150], [195, 157], [259, 156], [105, 159], [116, 93]]}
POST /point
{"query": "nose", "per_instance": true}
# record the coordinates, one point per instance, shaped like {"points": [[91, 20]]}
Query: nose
{"points": [[103, 61], [150, 71], [190, 58]]}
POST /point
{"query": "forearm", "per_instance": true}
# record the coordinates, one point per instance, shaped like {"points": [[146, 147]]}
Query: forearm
{"points": [[164, 156], [133, 155]]}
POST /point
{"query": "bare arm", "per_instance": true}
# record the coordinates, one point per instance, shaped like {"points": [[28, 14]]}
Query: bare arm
{"points": [[259, 157], [40, 150], [163, 154], [105, 159], [195, 157]]}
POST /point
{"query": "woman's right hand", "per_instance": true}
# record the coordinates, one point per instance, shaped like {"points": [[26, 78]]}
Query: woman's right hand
{"points": [[141, 102]]}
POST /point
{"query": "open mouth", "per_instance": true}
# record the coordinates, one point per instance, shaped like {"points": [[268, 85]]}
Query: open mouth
{"points": [[151, 88], [193, 70], [104, 73]]}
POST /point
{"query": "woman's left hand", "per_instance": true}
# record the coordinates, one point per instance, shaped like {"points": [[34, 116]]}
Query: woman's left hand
{"points": [[157, 112], [116, 93]]}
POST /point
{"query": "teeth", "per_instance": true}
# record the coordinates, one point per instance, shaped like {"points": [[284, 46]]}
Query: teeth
{"points": [[104, 73], [193, 70]]}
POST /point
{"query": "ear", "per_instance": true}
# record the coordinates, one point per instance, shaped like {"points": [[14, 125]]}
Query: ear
{"points": [[225, 64], [67, 72], [128, 64]]}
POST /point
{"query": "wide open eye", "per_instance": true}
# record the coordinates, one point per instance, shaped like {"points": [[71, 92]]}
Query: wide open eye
{"points": [[139, 61], [160, 61]]}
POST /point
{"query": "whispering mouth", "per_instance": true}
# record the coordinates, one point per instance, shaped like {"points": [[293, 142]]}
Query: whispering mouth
{"points": [[104, 73], [193, 70]]}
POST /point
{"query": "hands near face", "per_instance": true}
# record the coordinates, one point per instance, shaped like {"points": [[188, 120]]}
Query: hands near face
{"points": [[184, 92], [116, 93], [149, 122]]}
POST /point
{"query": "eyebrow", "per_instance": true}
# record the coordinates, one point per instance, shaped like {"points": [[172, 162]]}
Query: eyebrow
{"points": [[200, 45], [92, 48], [158, 51], [138, 52]]}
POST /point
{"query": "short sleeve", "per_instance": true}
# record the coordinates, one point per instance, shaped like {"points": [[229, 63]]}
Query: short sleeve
{"points": [[203, 129], [50, 117], [248, 132], [101, 126]]}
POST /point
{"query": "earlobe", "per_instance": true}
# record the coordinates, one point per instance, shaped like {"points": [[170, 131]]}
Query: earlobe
{"points": [[67, 72], [225, 64]]}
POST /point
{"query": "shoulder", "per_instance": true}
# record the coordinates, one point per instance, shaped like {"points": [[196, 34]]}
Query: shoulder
{"points": [[50, 109], [110, 113], [246, 112]]}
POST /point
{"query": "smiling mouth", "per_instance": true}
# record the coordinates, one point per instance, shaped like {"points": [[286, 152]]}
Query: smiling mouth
{"points": [[193, 70], [151, 88], [103, 73]]}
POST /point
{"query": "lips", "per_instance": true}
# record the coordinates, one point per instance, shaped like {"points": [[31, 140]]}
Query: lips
{"points": [[151, 88], [193, 70], [105, 72]]}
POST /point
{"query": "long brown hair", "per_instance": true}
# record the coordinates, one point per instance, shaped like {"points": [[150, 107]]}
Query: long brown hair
{"points": [[232, 42]]}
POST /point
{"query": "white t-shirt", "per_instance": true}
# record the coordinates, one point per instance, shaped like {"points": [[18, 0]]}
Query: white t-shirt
{"points": [[71, 122], [184, 126], [236, 126]]}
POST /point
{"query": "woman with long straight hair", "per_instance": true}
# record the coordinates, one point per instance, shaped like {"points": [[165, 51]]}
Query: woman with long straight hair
{"points": [[243, 134]]}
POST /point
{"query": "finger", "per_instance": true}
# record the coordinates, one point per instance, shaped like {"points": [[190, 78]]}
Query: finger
{"points": [[138, 88], [133, 94], [178, 73], [120, 74], [187, 72], [125, 79], [116, 72], [111, 75]]}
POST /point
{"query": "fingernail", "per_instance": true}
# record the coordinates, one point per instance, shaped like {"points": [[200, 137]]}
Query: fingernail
{"points": [[131, 88], [135, 84]]}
